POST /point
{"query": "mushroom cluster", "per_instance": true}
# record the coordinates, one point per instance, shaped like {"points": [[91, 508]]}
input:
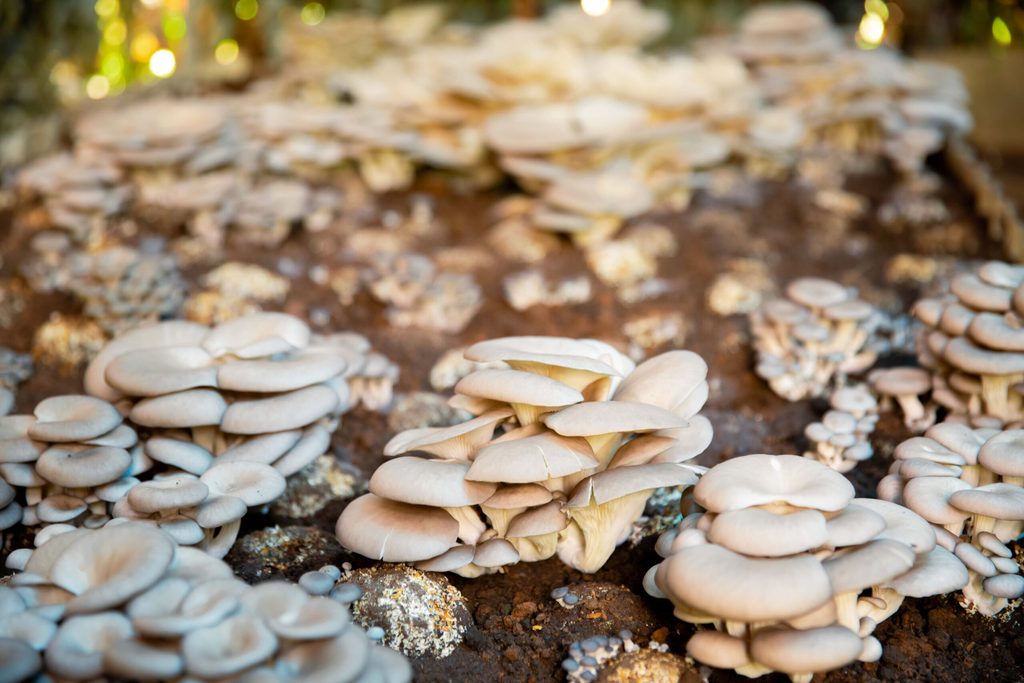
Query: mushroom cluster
{"points": [[905, 386], [418, 294], [568, 441], [813, 338], [15, 368], [969, 483], [841, 438], [780, 562], [124, 602], [974, 344]]}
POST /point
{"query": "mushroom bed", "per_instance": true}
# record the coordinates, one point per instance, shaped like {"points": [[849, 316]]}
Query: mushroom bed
{"points": [[514, 629]]}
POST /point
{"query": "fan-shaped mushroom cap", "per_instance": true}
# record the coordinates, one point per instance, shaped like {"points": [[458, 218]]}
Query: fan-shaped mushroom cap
{"points": [[108, 566], [958, 438], [901, 524], [314, 442], [168, 493], [1001, 501], [175, 606], [183, 455], [336, 659], [292, 614], [437, 483], [760, 479], [930, 497], [867, 565], [286, 374], [171, 333], [543, 519], [395, 532], [253, 483], [496, 552], [607, 417], [970, 358], [230, 647], [935, 572], [995, 332], [15, 445], [979, 295], [928, 449], [83, 468], [450, 560], [718, 649], [139, 660], [60, 508], [256, 335], [615, 483], [281, 412], [901, 381], [28, 627], [262, 448], [756, 532], [1004, 453], [1009, 586], [519, 496], [855, 524], [717, 581], [218, 511], [192, 408], [642, 449], [816, 292], [531, 459], [675, 381], [72, 418], [517, 386], [794, 651], [163, 370], [457, 442], [121, 436], [76, 651], [21, 662]]}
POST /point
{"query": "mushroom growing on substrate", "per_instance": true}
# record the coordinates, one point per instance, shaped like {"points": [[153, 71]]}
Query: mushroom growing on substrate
{"points": [[905, 386], [969, 483], [124, 602], [840, 439], [780, 561], [974, 344], [813, 338], [568, 442]]}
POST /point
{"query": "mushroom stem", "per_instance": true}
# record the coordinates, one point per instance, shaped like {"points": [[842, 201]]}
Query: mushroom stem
{"points": [[976, 595], [604, 446], [995, 390], [471, 527], [846, 611], [912, 408], [892, 600]]}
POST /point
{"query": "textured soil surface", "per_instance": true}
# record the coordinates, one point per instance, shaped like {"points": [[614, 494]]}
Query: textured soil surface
{"points": [[519, 633]]}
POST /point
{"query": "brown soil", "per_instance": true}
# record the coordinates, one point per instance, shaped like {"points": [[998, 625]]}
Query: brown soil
{"points": [[520, 633]]}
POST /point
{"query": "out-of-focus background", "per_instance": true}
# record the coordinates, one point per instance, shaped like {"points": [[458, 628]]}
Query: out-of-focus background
{"points": [[65, 53]]}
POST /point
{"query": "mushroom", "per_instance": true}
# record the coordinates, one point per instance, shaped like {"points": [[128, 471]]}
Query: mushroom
{"points": [[395, 532], [77, 649]]}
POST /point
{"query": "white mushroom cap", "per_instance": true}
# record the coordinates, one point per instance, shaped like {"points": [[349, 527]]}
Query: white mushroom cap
{"points": [[230, 647], [901, 524], [437, 483], [718, 649], [156, 371], [496, 552], [256, 335], [21, 662], [183, 455], [285, 374], [253, 483], [816, 292], [83, 468], [675, 381], [192, 408], [76, 651], [760, 479], [606, 417], [901, 381], [516, 386], [761, 533], [72, 418], [168, 493], [457, 442], [621, 481], [1004, 453], [531, 459], [108, 566], [544, 519], [450, 560], [868, 565], [519, 496], [139, 660], [793, 651], [281, 412], [934, 572], [395, 532]]}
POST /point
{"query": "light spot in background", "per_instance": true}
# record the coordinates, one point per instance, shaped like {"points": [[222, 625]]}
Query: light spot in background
{"points": [[97, 87], [1001, 32], [143, 46], [162, 63], [312, 13], [595, 8], [871, 31], [226, 51], [247, 9]]}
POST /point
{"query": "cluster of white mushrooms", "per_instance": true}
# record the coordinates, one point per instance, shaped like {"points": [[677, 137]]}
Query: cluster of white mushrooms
{"points": [[792, 572], [841, 438], [225, 415], [568, 442], [126, 603], [969, 483], [813, 338], [974, 344]]}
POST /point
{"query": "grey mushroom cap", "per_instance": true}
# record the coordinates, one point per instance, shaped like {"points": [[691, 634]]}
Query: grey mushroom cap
{"points": [[395, 532], [961, 353], [531, 459], [760, 479], [803, 651], [72, 418], [256, 335], [219, 511], [183, 455], [606, 417], [191, 408], [230, 647], [157, 371], [253, 483], [935, 572], [21, 662], [867, 565], [134, 659], [168, 493], [437, 483], [281, 412], [83, 468]]}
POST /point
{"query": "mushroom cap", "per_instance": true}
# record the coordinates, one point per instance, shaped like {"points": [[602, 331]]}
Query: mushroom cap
{"points": [[1009, 586], [718, 649], [230, 647], [495, 552], [815, 292], [850, 310], [517, 386], [256, 335], [281, 412], [519, 348], [191, 408], [717, 581], [871, 564], [959, 438], [921, 447], [675, 381], [761, 533], [901, 524], [218, 511], [980, 295], [961, 353], [291, 613], [436, 483], [1004, 453], [315, 441], [15, 445], [21, 662], [996, 332], [435, 439], [83, 468], [284, 374], [162, 370], [167, 493], [531, 459], [262, 448], [760, 479], [1001, 501], [543, 519], [518, 496], [934, 572], [183, 455], [62, 419], [252, 482], [901, 381], [621, 481], [170, 333], [803, 651], [607, 417], [386, 530], [450, 560], [931, 497], [853, 399], [135, 659], [76, 650], [108, 566], [855, 524]]}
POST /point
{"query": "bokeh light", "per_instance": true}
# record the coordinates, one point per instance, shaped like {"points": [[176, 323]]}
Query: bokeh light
{"points": [[247, 9], [226, 52], [143, 46], [312, 13], [97, 87], [162, 63], [871, 30], [1001, 32], [595, 8], [175, 27]]}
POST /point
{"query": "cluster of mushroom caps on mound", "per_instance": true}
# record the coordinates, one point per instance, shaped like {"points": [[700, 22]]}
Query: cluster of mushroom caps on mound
{"points": [[568, 442], [126, 602], [185, 427]]}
